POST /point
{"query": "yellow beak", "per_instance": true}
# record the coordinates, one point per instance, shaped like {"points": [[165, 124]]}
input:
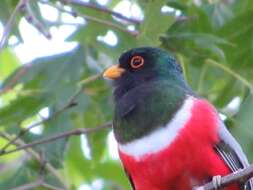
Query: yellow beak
{"points": [[113, 72]]}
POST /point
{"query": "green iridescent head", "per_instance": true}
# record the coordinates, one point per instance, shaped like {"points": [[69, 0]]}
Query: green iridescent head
{"points": [[149, 89], [140, 65]]}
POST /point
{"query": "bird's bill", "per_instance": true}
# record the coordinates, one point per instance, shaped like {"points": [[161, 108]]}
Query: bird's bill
{"points": [[113, 72]]}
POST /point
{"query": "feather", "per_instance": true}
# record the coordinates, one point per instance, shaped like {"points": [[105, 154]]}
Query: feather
{"points": [[130, 179], [232, 154]]}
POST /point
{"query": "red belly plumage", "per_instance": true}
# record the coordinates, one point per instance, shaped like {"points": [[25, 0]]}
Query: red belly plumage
{"points": [[188, 161]]}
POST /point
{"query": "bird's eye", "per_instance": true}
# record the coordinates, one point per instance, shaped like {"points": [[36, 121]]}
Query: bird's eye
{"points": [[137, 61]]}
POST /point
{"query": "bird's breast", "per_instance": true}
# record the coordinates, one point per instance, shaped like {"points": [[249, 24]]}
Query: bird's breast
{"points": [[162, 137], [180, 151]]}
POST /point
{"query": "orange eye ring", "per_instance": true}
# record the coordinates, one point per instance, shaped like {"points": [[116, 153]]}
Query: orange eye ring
{"points": [[137, 61]]}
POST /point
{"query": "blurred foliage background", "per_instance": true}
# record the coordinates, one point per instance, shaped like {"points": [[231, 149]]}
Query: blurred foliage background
{"points": [[48, 95]]}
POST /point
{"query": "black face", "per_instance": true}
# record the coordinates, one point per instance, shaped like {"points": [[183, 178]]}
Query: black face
{"points": [[142, 65], [137, 60]]}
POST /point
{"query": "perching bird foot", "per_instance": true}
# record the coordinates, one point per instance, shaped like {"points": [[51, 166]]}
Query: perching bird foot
{"points": [[216, 182]]}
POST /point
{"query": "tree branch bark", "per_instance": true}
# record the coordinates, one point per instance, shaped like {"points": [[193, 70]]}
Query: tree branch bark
{"points": [[102, 9], [241, 175], [94, 19], [71, 102], [28, 186], [58, 136], [9, 86], [10, 23], [37, 156]]}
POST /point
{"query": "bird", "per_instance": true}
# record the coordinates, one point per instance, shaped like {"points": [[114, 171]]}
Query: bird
{"points": [[169, 137]]}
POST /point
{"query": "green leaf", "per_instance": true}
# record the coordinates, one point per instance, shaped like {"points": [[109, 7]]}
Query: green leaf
{"points": [[24, 174], [54, 151], [194, 32], [19, 109], [8, 62], [151, 29], [47, 81], [77, 167], [219, 13], [243, 126], [6, 9]]}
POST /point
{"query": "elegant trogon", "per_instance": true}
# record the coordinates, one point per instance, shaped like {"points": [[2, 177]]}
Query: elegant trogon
{"points": [[168, 137]]}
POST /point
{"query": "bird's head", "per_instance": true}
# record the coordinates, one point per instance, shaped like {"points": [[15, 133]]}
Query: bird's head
{"points": [[142, 65]]}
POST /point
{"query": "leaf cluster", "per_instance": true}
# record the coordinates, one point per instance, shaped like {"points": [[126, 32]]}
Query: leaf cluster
{"points": [[212, 40]]}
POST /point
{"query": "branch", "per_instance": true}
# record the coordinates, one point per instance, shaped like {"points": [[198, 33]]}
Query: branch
{"points": [[15, 79], [93, 19], [110, 24], [37, 156], [239, 176], [58, 136], [231, 72], [48, 186], [37, 183], [83, 83], [28, 186], [10, 23], [24, 131], [71, 102], [31, 18], [102, 9]]}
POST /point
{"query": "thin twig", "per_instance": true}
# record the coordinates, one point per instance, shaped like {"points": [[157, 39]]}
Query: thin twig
{"points": [[231, 72], [58, 23], [102, 9], [10, 23], [71, 102], [28, 186], [59, 136], [110, 24], [239, 176], [15, 79], [48, 186], [185, 18], [201, 79], [31, 18], [83, 84], [94, 19], [24, 131], [48, 166]]}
